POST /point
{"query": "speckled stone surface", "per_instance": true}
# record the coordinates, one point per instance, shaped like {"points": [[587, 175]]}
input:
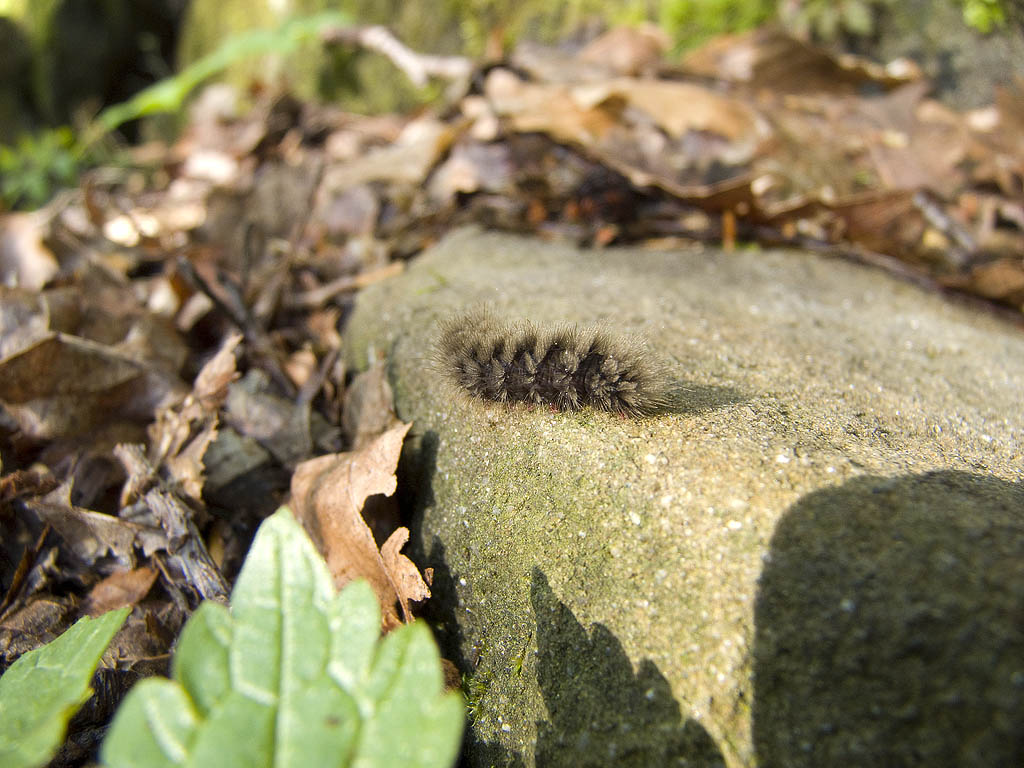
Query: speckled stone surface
{"points": [[816, 559]]}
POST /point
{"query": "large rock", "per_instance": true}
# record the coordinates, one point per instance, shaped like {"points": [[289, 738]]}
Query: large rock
{"points": [[816, 559]]}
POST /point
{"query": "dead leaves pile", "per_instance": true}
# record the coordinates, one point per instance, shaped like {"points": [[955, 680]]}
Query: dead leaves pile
{"points": [[759, 137], [108, 457], [152, 530]]}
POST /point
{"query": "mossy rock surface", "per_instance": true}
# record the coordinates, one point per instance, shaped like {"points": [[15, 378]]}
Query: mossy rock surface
{"points": [[816, 559]]}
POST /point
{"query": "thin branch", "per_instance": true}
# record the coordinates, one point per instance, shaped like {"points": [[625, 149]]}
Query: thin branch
{"points": [[317, 297], [418, 67]]}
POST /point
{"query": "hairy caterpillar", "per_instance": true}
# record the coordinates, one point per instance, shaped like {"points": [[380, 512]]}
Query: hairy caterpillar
{"points": [[566, 366]]}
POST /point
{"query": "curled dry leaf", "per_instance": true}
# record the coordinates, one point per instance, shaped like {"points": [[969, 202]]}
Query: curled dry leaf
{"points": [[187, 466], [187, 555], [39, 621], [686, 150], [328, 494], [93, 536], [211, 384], [181, 434], [403, 571], [678, 108]]}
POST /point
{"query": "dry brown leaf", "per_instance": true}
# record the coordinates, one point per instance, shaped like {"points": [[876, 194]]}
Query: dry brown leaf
{"points": [[186, 550], [403, 571], [369, 407], [211, 384], [678, 137], [678, 108], [887, 222], [408, 161], [240, 472], [25, 482], [770, 58], [555, 64], [328, 494], [187, 466], [301, 367], [628, 50], [473, 166], [120, 589], [37, 622], [548, 108], [1002, 279], [921, 144], [25, 318], [30, 561], [279, 424], [139, 473], [93, 535], [181, 434], [25, 261], [64, 385]]}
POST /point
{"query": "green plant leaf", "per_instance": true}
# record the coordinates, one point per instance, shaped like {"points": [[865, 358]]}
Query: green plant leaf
{"points": [[293, 675], [38, 164], [42, 690]]}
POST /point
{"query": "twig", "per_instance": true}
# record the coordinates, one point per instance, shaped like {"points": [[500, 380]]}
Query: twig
{"points": [[317, 297], [418, 67], [229, 301], [185, 546], [313, 384]]}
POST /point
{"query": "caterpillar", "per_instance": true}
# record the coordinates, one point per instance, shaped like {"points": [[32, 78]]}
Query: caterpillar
{"points": [[566, 366]]}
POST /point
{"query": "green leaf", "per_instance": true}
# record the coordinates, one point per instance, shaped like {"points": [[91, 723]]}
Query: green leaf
{"points": [[42, 690], [294, 675]]}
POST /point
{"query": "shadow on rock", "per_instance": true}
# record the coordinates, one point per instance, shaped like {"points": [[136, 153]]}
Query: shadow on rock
{"points": [[415, 470], [690, 399], [890, 626], [599, 712]]}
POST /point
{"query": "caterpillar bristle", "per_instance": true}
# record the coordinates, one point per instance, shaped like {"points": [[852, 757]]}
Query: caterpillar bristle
{"points": [[568, 367]]}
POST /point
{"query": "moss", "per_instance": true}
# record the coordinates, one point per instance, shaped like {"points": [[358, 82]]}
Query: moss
{"points": [[474, 688]]}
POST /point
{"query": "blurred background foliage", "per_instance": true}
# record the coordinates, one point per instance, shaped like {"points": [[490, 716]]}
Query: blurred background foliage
{"points": [[63, 61]]}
